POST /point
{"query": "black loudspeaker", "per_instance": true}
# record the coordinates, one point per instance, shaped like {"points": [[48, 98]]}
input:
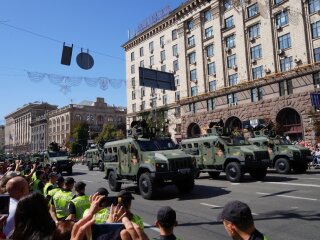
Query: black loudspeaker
{"points": [[66, 55]]}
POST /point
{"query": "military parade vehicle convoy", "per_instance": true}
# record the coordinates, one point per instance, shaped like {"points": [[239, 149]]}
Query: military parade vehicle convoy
{"points": [[94, 158], [284, 156], [150, 161], [58, 158], [232, 154]]}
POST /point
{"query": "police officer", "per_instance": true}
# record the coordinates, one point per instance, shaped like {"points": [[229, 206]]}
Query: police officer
{"points": [[102, 215], [58, 185], [166, 221], [50, 184], [80, 203], [61, 199], [37, 185]]}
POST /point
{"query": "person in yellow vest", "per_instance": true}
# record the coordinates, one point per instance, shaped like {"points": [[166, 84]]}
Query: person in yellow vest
{"points": [[101, 216], [57, 186], [61, 199], [50, 184], [38, 185], [80, 203], [125, 199]]}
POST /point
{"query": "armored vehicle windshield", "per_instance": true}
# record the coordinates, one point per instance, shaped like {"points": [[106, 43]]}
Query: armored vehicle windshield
{"points": [[280, 141], [156, 145], [58, 154], [236, 141]]}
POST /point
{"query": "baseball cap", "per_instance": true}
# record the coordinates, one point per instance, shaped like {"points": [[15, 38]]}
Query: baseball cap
{"points": [[103, 191], [125, 195], [236, 212], [69, 180], [166, 217], [79, 186]]}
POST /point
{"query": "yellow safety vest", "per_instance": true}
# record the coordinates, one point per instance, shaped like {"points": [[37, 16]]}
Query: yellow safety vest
{"points": [[45, 189], [61, 200], [138, 220], [35, 186], [81, 203], [100, 217]]}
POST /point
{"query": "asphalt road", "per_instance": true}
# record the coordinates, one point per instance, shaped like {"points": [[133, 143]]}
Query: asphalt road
{"points": [[284, 206]]}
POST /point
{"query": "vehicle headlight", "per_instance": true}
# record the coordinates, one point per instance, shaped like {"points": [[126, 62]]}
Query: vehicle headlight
{"points": [[248, 157], [161, 167]]}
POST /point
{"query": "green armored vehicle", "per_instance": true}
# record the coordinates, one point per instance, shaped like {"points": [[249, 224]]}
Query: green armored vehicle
{"points": [[284, 155], [58, 158], [216, 153], [94, 158], [149, 161]]}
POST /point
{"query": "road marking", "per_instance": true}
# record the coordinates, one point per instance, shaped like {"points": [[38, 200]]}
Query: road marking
{"points": [[82, 169], [151, 227], [87, 181], [295, 184], [210, 205], [287, 196], [310, 178], [235, 183]]}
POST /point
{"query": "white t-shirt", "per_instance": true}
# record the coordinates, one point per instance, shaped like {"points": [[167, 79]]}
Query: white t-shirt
{"points": [[9, 227]]}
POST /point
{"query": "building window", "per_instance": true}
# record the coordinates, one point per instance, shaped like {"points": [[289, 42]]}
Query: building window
{"points": [[256, 52], [211, 104], [192, 107], [142, 63], [133, 82], [174, 34], [286, 64], [175, 50], [163, 55], [163, 68], [316, 53], [132, 56], [232, 98], [208, 32], [177, 95], [132, 69], [162, 41], [193, 75], [233, 79], [141, 52], [231, 61], [254, 31], [253, 10], [316, 79], [211, 68], [257, 72], [278, 1], [282, 18], [284, 41], [207, 15], [210, 50], [191, 41], [229, 22], [143, 105], [134, 108], [151, 47], [143, 93], [256, 94], [177, 81], [314, 6], [190, 25], [227, 4], [175, 65], [133, 95], [289, 87], [177, 112], [192, 58], [194, 91], [212, 85], [151, 60], [164, 99], [281, 88], [315, 29], [230, 41]]}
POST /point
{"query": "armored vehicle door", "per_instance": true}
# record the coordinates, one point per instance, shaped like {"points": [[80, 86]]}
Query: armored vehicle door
{"points": [[124, 159], [134, 159], [207, 152], [219, 152]]}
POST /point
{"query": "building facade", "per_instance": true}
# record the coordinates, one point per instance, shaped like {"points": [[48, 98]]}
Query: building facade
{"points": [[96, 114], [39, 129], [238, 61], [2, 134], [18, 126]]}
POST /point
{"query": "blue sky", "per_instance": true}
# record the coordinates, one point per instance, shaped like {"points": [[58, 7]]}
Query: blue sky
{"points": [[97, 25]]}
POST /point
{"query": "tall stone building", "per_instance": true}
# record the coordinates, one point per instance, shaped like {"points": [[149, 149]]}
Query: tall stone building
{"points": [[18, 128], [240, 61], [2, 134]]}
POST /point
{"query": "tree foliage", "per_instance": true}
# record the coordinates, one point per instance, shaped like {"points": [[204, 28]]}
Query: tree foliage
{"points": [[79, 137], [110, 132]]}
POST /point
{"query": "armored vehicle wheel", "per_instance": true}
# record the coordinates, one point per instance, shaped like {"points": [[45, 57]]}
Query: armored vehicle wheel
{"points": [[300, 168], [186, 185], [258, 174], [214, 175], [69, 171], [146, 186], [234, 172], [113, 182], [90, 166], [282, 165], [101, 166]]}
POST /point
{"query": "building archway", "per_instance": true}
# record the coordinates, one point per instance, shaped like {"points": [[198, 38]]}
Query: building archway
{"points": [[193, 130], [289, 124], [233, 123]]}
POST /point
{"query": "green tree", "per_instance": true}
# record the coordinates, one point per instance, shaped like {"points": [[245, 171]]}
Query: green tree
{"points": [[80, 137], [110, 132]]}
